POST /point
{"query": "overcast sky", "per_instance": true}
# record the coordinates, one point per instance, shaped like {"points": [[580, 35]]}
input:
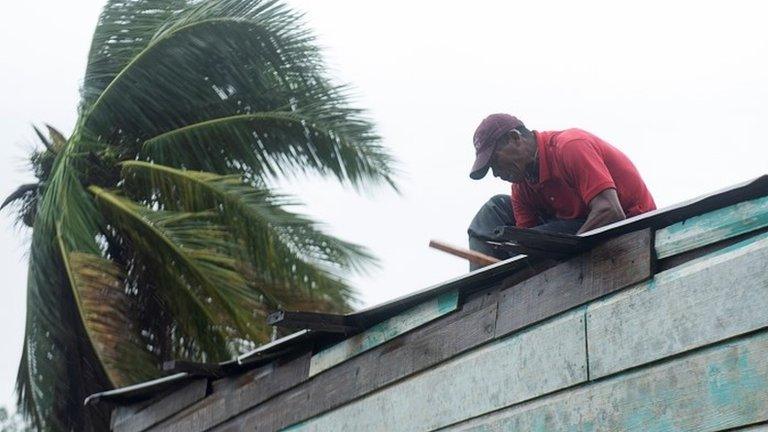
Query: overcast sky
{"points": [[680, 87]]}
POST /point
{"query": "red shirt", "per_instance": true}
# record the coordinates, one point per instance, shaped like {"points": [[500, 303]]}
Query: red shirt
{"points": [[575, 166]]}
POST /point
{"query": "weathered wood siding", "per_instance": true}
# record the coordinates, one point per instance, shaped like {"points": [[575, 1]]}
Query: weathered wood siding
{"points": [[415, 351], [712, 227], [712, 298], [596, 343], [607, 268], [512, 370], [712, 390], [384, 331], [139, 418]]}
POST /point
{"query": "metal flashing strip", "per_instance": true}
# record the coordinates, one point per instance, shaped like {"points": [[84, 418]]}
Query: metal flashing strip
{"points": [[277, 346], [136, 391]]}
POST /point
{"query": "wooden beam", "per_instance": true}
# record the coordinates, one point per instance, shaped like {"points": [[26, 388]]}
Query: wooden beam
{"points": [[411, 353], [715, 297], [124, 419], [469, 255], [712, 227], [433, 343], [194, 368], [234, 395], [616, 264], [717, 389], [384, 331], [326, 322], [502, 373]]}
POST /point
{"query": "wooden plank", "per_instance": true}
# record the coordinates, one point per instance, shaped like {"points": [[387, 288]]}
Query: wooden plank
{"points": [[234, 395], [474, 257], [403, 356], [712, 227], [684, 257], [756, 428], [616, 264], [122, 412], [384, 331], [319, 321], [162, 408], [523, 366], [719, 388], [706, 300]]}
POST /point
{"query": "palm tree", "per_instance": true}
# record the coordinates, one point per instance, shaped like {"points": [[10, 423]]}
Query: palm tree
{"points": [[156, 232]]}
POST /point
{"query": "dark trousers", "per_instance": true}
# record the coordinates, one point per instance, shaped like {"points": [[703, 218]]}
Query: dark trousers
{"points": [[498, 212]]}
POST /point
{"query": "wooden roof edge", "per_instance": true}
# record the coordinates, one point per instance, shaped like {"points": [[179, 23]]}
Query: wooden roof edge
{"points": [[370, 316]]}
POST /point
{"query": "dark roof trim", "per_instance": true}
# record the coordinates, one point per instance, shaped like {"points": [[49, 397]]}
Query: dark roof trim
{"points": [[488, 275], [655, 219], [320, 321], [137, 391], [275, 348], [660, 218]]}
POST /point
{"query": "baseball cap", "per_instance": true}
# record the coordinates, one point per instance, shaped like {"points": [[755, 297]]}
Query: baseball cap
{"points": [[487, 135]]}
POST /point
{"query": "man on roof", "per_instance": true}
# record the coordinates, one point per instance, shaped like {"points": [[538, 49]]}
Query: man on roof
{"points": [[566, 181]]}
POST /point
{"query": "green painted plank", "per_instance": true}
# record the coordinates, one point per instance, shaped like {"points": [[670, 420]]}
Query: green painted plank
{"points": [[525, 365], [712, 227], [123, 420], [719, 388], [706, 300], [384, 331], [756, 428]]}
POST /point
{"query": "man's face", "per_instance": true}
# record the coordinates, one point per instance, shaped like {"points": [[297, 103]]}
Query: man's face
{"points": [[509, 160]]}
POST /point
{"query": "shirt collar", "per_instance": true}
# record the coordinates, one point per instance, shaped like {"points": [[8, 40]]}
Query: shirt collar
{"points": [[541, 143]]}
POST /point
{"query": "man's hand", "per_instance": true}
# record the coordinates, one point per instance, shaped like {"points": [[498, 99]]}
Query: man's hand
{"points": [[604, 209]]}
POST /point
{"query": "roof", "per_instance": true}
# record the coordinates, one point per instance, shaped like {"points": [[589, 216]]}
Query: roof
{"points": [[465, 284]]}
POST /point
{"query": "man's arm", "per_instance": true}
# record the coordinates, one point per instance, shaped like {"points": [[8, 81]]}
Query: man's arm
{"points": [[604, 209], [523, 210]]}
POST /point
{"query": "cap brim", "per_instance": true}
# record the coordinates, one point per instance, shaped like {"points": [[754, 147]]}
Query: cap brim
{"points": [[480, 167]]}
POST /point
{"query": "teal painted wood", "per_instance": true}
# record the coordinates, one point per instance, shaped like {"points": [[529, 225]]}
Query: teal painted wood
{"points": [[384, 331], [711, 390], [706, 300], [712, 227], [757, 428], [126, 419], [537, 361]]}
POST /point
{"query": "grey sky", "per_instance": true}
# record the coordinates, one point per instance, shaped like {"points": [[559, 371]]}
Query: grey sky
{"points": [[681, 87]]}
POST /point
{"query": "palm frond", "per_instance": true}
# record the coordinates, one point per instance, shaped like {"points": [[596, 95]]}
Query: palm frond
{"points": [[25, 193], [317, 139], [59, 359], [189, 262], [106, 314], [194, 252], [58, 141], [43, 139], [286, 249], [210, 68], [194, 66], [125, 27], [25, 400]]}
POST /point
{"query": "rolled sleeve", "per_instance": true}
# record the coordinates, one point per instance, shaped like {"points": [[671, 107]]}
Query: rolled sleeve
{"points": [[524, 211]]}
